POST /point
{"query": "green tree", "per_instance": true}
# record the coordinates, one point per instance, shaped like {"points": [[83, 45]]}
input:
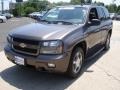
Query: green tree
{"points": [[77, 1], [112, 8], [33, 3], [43, 5], [19, 10], [29, 10], [88, 1], [61, 3], [99, 3], [118, 9], [30, 6], [37, 4]]}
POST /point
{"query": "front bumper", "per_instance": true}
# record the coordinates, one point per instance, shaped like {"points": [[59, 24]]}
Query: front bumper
{"points": [[61, 61]]}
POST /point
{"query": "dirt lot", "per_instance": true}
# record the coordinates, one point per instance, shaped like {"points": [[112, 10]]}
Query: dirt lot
{"points": [[101, 73]]}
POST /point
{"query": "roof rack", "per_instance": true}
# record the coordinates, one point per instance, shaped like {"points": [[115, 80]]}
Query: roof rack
{"points": [[88, 4]]}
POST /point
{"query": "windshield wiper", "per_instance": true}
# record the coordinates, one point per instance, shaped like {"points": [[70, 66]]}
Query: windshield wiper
{"points": [[49, 22], [64, 22], [57, 22]]}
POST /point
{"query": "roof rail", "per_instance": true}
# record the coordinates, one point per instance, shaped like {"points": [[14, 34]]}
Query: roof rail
{"points": [[94, 4]]}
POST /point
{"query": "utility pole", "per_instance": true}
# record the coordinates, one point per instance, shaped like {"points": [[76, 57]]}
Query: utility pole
{"points": [[2, 6], [10, 6], [20, 4]]}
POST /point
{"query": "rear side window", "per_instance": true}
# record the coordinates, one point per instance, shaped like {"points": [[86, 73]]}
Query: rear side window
{"points": [[101, 13], [107, 15]]}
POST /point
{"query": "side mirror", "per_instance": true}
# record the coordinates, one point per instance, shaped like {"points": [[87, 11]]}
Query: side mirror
{"points": [[95, 22]]}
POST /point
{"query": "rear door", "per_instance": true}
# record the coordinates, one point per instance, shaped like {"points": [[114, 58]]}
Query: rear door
{"points": [[106, 23]]}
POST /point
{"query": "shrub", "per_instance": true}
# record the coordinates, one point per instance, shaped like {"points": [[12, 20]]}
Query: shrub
{"points": [[29, 10]]}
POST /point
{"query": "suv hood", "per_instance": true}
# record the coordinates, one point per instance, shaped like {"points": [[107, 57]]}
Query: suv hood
{"points": [[39, 31]]}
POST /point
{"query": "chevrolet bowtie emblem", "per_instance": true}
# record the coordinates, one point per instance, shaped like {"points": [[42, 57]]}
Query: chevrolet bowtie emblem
{"points": [[22, 45]]}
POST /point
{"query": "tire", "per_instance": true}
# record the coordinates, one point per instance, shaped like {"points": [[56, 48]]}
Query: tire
{"points": [[107, 42], [76, 62], [1, 21]]}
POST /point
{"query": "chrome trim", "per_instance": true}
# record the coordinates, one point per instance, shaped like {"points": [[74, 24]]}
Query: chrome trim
{"points": [[23, 52]]}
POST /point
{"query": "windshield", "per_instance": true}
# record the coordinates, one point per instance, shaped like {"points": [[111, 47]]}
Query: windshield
{"points": [[69, 14]]}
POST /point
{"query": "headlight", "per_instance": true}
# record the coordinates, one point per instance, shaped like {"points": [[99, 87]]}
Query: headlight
{"points": [[51, 47]]}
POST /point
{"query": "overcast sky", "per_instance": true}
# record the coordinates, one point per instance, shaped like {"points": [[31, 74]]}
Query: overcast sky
{"points": [[6, 2]]}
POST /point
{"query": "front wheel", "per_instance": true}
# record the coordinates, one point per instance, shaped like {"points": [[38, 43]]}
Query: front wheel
{"points": [[76, 62]]}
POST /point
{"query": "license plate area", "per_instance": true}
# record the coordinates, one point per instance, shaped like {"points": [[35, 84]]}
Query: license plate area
{"points": [[19, 60]]}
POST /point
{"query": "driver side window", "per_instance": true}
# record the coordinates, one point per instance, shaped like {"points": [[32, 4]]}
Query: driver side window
{"points": [[93, 14]]}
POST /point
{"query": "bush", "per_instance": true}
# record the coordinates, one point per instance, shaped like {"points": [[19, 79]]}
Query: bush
{"points": [[29, 10], [15, 12], [119, 12]]}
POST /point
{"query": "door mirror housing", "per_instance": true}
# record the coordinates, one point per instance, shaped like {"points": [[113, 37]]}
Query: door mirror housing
{"points": [[94, 22]]}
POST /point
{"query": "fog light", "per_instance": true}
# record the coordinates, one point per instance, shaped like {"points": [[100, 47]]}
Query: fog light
{"points": [[51, 65]]}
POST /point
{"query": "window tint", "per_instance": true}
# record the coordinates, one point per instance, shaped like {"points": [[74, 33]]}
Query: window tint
{"points": [[101, 13], [106, 12], [93, 14], [71, 14]]}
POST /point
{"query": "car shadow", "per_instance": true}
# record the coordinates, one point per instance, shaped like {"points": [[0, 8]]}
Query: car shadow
{"points": [[29, 79]]}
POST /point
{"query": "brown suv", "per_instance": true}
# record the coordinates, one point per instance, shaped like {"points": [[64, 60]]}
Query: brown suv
{"points": [[64, 38]]}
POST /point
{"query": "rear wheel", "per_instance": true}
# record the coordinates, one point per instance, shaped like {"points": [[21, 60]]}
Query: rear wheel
{"points": [[107, 43], [76, 62], [1, 21]]}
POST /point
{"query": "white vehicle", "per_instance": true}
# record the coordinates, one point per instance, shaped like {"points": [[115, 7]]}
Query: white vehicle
{"points": [[2, 19], [35, 14], [8, 15]]}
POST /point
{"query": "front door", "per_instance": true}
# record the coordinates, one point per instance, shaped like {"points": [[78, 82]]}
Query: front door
{"points": [[93, 33]]}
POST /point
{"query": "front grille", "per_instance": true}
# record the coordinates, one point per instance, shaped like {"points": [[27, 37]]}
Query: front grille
{"points": [[29, 47]]}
